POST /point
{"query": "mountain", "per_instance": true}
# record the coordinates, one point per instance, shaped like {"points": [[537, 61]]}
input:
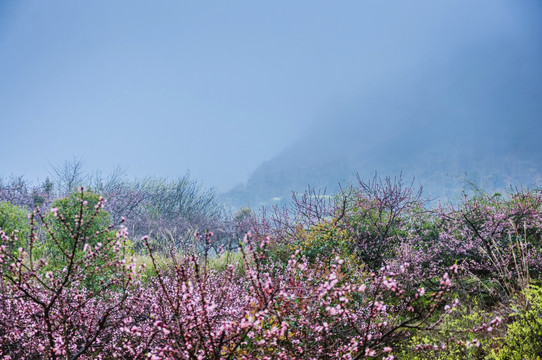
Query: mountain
{"points": [[476, 116]]}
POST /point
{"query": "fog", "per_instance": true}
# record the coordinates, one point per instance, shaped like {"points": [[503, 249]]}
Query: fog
{"points": [[218, 89]]}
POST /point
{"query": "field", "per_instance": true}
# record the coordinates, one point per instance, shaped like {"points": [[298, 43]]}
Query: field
{"points": [[157, 270]]}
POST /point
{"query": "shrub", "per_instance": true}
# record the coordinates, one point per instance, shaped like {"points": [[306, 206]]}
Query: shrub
{"points": [[324, 242], [375, 217], [464, 332], [523, 339], [495, 238], [14, 223], [76, 224]]}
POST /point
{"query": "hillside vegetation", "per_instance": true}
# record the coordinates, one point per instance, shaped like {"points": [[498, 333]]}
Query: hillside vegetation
{"points": [[371, 273]]}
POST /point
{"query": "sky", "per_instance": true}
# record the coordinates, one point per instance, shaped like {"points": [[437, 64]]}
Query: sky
{"points": [[217, 88]]}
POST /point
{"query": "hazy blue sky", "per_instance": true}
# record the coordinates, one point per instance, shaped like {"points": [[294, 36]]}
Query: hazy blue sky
{"points": [[162, 87]]}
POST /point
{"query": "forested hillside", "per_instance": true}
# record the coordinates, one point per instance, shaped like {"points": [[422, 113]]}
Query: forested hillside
{"points": [[474, 118]]}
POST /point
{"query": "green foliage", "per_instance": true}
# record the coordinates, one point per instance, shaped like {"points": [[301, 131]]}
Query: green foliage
{"points": [[324, 241], [14, 223], [165, 263], [82, 222], [319, 244], [523, 338], [458, 336], [226, 259], [148, 271], [75, 222]]}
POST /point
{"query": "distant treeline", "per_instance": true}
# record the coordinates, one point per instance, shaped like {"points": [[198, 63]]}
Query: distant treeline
{"points": [[167, 210]]}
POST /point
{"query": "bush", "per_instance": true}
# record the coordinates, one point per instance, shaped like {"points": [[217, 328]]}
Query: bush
{"points": [[496, 238], [464, 332], [523, 339], [324, 241], [375, 216], [14, 223], [76, 224]]}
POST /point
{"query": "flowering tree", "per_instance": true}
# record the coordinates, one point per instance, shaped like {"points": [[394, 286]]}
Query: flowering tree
{"points": [[47, 311], [195, 312]]}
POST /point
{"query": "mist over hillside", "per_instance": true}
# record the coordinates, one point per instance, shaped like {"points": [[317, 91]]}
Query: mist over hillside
{"points": [[475, 117]]}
